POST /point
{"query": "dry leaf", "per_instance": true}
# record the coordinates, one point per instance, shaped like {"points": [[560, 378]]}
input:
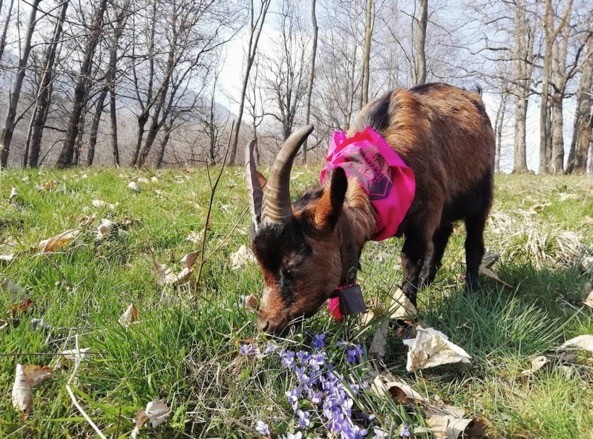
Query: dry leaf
{"points": [[401, 308], [189, 259], [489, 259], [7, 257], [77, 354], [401, 392], [491, 275], [130, 315], [584, 342], [104, 228], [536, 364], [18, 309], [249, 302], [154, 179], [241, 257], [26, 378], [195, 237], [13, 193], [377, 348], [589, 300], [134, 186], [566, 197], [142, 180], [52, 244], [47, 186], [3, 324], [432, 348], [101, 203], [165, 276], [156, 412], [451, 427]]}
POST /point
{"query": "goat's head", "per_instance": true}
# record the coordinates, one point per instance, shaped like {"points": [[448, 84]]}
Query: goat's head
{"points": [[296, 245]]}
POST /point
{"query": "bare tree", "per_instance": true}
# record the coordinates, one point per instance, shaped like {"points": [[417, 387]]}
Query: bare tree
{"points": [[44, 91], [420, 44], [311, 73], [82, 87], [583, 122], [256, 23], [366, 56], [5, 28]]}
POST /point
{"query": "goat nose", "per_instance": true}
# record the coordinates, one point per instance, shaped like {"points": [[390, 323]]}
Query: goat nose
{"points": [[264, 324]]}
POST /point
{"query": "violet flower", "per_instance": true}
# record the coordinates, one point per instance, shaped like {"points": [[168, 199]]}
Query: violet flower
{"points": [[262, 428]]}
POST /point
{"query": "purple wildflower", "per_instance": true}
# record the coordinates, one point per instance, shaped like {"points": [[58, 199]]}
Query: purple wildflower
{"points": [[303, 421], [303, 357], [248, 349], [404, 432], [287, 359], [262, 428], [317, 360], [293, 397], [297, 435], [353, 353], [318, 341], [380, 434], [271, 347]]}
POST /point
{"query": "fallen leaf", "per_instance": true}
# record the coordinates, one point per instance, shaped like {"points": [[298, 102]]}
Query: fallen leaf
{"points": [[402, 393], [377, 348], [249, 302], [47, 186], [3, 324], [491, 275], [165, 276], [77, 354], [52, 244], [584, 342], [451, 427], [7, 257], [401, 307], [101, 203], [432, 348], [11, 287], [241, 257], [589, 300], [536, 364], [130, 315], [13, 193], [142, 180], [104, 228], [156, 412], [195, 237], [26, 378], [18, 309], [489, 259], [134, 186], [154, 179]]}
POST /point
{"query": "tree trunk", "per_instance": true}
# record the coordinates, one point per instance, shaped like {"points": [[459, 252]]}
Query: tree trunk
{"points": [[366, 57], [95, 127], [29, 134], [420, 43], [164, 142], [520, 156], [5, 29], [583, 120], [82, 88], [17, 85], [79, 138], [45, 88], [557, 147], [256, 30], [311, 73], [498, 128]]}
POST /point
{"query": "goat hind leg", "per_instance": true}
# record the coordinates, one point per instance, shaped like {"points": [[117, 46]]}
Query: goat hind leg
{"points": [[474, 248]]}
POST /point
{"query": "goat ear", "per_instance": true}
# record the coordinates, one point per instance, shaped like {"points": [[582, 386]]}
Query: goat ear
{"points": [[330, 205], [262, 180]]}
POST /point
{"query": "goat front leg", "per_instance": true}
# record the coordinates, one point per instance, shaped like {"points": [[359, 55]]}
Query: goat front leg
{"points": [[413, 255], [432, 264]]}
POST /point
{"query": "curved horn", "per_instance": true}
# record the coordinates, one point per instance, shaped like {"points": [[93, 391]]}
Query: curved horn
{"points": [[277, 193], [254, 188]]}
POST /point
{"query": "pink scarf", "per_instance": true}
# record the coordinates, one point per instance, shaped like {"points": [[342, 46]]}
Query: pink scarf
{"points": [[379, 170], [381, 173]]}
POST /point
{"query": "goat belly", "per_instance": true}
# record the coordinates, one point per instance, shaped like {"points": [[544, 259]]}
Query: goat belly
{"points": [[379, 170]]}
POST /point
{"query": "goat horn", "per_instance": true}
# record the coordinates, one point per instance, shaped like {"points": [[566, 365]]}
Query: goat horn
{"points": [[253, 185], [277, 193]]}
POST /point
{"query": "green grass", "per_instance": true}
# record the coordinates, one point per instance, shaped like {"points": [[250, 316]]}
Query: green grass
{"points": [[185, 349]]}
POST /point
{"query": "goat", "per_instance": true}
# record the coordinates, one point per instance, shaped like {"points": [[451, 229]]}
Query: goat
{"points": [[305, 248]]}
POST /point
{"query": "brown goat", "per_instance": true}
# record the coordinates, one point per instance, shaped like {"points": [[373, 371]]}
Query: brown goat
{"points": [[305, 248]]}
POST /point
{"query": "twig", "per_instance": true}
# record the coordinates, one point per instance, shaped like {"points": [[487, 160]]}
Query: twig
{"points": [[208, 214], [83, 413], [245, 427]]}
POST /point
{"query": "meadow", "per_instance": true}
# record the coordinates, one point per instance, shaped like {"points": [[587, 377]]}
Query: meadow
{"points": [[190, 345]]}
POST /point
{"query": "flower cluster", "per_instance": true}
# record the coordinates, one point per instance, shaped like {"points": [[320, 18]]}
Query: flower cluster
{"points": [[320, 385]]}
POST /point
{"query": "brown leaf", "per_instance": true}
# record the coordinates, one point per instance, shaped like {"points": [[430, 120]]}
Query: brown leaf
{"points": [[130, 315], [47, 186], [7, 257], [451, 427], [13, 193], [491, 275], [241, 257], [432, 348], [26, 378], [377, 348], [134, 186], [55, 243], [584, 342], [156, 412], [249, 302], [589, 300], [189, 259], [536, 364], [18, 309], [401, 307], [104, 228], [401, 392]]}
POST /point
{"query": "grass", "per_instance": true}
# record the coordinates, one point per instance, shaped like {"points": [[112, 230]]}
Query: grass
{"points": [[185, 349]]}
